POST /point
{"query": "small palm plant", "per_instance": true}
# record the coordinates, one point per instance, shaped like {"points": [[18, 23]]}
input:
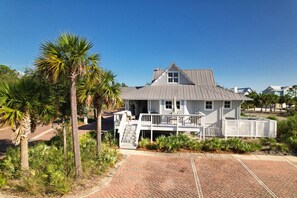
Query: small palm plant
{"points": [[21, 108]]}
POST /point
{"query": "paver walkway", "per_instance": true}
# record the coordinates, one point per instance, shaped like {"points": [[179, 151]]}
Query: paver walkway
{"points": [[146, 174]]}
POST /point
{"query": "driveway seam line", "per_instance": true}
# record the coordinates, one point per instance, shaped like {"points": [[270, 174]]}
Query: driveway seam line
{"points": [[4, 128], [257, 178], [287, 160], [196, 178], [40, 135]]}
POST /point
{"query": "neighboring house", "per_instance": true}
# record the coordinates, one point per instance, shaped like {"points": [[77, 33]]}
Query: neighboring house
{"points": [[277, 90], [178, 100], [245, 91]]}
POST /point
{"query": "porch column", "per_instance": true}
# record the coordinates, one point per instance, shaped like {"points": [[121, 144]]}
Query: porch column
{"points": [[127, 105], [149, 106]]}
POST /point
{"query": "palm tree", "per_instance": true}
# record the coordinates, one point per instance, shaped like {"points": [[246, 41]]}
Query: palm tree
{"points": [[254, 96], [100, 89], [68, 57], [274, 101], [21, 110]]}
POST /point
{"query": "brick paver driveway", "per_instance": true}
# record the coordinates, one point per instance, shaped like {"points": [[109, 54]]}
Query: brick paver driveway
{"points": [[201, 176]]}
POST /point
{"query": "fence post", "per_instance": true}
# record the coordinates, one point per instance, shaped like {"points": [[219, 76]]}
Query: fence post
{"points": [[256, 128], [238, 124], [251, 129]]}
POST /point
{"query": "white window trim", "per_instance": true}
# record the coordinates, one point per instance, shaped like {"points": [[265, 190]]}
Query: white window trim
{"points": [[211, 105], [178, 77], [230, 104], [165, 105]]}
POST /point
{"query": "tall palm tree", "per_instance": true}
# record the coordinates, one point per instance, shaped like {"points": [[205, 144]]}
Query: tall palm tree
{"points": [[68, 56], [21, 110], [100, 89]]}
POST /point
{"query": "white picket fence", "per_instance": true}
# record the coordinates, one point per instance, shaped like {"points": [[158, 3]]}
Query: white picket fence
{"points": [[249, 127]]}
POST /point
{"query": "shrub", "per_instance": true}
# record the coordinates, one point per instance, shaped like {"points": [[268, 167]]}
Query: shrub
{"points": [[287, 128], [144, 143], [110, 139], [212, 144], [267, 141], [195, 145], [51, 172], [279, 147], [168, 144], [292, 143], [272, 118]]}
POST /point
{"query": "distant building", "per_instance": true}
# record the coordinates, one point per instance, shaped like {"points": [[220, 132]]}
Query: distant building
{"points": [[245, 90], [277, 90]]}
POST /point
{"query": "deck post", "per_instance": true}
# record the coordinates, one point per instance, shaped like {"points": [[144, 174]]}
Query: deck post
{"points": [[151, 128], [176, 125]]}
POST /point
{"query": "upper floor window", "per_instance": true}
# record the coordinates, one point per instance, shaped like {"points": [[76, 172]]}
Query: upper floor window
{"points": [[173, 77], [227, 104]]}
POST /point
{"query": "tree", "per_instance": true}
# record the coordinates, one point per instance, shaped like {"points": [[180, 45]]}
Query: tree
{"points": [[254, 96], [293, 91], [8, 75], [274, 101], [100, 89], [67, 57], [21, 111], [260, 101]]}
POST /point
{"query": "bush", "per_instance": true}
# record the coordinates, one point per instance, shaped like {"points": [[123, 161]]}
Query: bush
{"points": [[267, 141], [212, 144], [279, 147], [195, 145], [110, 140], [144, 143], [51, 172], [272, 118], [168, 144], [287, 128]]}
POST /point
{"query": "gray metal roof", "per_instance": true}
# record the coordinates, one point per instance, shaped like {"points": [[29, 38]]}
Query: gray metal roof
{"points": [[182, 92], [197, 76]]}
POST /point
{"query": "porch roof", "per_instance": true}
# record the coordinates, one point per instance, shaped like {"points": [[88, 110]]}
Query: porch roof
{"points": [[182, 92]]}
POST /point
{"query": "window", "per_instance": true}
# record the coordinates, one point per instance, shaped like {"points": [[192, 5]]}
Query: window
{"points": [[168, 104], [173, 77], [227, 104], [208, 105], [178, 104]]}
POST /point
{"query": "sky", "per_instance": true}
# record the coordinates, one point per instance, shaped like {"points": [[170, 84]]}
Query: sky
{"points": [[247, 43]]}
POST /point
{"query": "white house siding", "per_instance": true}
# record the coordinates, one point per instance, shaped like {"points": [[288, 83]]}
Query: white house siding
{"points": [[155, 106], [233, 112]]}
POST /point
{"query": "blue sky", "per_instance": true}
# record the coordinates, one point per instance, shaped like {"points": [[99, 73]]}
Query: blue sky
{"points": [[246, 42]]}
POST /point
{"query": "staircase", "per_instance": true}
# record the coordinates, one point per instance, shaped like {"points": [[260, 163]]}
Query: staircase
{"points": [[129, 139]]}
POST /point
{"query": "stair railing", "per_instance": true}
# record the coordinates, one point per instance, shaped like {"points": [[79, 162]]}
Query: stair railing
{"points": [[122, 126]]}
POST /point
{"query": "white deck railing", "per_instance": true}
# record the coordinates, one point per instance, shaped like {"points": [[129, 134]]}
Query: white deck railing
{"points": [[162, 122], [249, 127]]}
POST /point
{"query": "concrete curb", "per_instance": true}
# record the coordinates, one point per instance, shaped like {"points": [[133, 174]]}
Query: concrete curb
{"points": [[212, 155]]}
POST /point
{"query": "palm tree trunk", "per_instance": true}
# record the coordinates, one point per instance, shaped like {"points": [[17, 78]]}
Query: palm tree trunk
{"points": [[64, 138], [24, 153], [99, 128], [26, 129], [74, 125]]}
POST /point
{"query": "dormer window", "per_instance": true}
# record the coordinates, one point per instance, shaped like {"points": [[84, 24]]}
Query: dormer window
{"points": [[173, 77]]}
